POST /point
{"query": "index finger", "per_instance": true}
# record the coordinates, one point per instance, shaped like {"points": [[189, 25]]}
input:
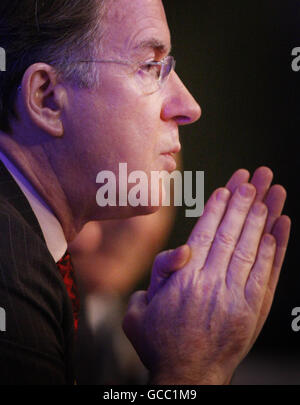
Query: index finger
{"points": [[205, 229]]}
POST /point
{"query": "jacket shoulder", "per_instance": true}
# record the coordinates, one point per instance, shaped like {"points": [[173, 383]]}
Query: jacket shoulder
{"points": [[39, 320]]}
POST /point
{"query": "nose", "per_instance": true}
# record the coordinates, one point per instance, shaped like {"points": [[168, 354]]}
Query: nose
{"points": [[179, 105]]}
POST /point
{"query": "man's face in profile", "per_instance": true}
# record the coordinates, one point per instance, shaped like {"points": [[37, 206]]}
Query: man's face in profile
{"points": [[119, 122]]}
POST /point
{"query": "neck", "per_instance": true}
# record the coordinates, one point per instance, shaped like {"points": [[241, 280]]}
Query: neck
{"points": [[35, 166]]}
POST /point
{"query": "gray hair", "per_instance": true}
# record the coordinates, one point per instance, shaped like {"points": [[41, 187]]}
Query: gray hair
{"points": [[57, 32]]}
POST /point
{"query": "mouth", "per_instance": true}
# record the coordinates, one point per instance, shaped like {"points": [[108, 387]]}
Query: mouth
{"points": [[170, 162], [169, 157]]}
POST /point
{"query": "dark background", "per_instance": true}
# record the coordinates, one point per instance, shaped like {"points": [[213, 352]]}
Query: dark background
{"points": [[235, 58]]}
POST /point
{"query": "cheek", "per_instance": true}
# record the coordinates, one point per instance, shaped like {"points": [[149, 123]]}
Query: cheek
{"points": [[130, 129], [118, 126]]}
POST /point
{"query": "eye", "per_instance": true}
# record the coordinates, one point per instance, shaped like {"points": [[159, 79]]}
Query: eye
{"points": [[152, 68]]}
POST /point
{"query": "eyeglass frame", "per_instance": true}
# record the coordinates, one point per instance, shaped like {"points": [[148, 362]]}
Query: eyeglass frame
{"points": [[168, 60]]}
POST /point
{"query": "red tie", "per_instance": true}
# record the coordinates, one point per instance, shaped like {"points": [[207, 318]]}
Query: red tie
{"points": [[67, 272]]}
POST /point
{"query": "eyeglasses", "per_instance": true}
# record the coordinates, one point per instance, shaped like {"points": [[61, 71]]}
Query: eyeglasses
{"points": [[151, 75]]}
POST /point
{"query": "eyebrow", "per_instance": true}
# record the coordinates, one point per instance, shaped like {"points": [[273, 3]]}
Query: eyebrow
{"points": [[155, 44]]}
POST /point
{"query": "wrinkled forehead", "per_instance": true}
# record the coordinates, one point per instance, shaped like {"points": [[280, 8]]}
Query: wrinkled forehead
{"points": [[133, 27]]}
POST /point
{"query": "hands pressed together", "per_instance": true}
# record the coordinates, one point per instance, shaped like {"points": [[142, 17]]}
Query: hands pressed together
{"points": [[208, 300]]}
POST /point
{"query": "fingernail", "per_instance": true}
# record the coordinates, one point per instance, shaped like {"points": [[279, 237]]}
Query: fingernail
{"points": [[223, 195], [259, 209], [246, 190]]}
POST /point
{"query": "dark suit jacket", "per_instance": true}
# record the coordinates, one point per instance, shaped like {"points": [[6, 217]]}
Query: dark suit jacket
{"points": [[37, 346]]}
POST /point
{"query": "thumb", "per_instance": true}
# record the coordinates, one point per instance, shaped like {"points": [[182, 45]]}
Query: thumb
{"points": [[164, 265]]}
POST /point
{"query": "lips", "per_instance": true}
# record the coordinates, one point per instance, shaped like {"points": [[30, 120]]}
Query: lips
{"points": [[170, 162], [169, 156]]}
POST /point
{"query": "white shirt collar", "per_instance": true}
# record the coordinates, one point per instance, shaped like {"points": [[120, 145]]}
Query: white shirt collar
{"points": [[51, 228]]}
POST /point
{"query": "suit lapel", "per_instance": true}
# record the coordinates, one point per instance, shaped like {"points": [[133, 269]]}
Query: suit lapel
{"points": [[12, 194]]}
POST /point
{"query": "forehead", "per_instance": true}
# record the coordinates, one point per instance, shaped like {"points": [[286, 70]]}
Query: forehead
{"points": [[132, 27]]}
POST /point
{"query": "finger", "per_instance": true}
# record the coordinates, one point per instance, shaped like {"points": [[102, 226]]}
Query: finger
{"points": [[134, 317], [239, 177], [275, 201], [245, 253], [257, 282], [164, 265], [281, 232], [262, 180], [230, 229], [274, 198], [203, 234]]}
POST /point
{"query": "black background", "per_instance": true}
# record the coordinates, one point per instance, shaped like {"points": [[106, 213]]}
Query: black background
{"points": [[235, 58]]}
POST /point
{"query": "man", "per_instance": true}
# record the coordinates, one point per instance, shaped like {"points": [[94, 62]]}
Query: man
{"points": [[89, 84]]}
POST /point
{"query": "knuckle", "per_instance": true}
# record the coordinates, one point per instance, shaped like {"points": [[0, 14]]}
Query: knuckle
{"points": [[267, 254], [212, 209], [241, 207], [257, 279], [255, 220], [203, 238], [225, 238], [267, 257], [244, 255]]}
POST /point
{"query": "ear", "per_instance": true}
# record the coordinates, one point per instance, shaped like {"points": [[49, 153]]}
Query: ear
{"points": [[44, 98]]}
